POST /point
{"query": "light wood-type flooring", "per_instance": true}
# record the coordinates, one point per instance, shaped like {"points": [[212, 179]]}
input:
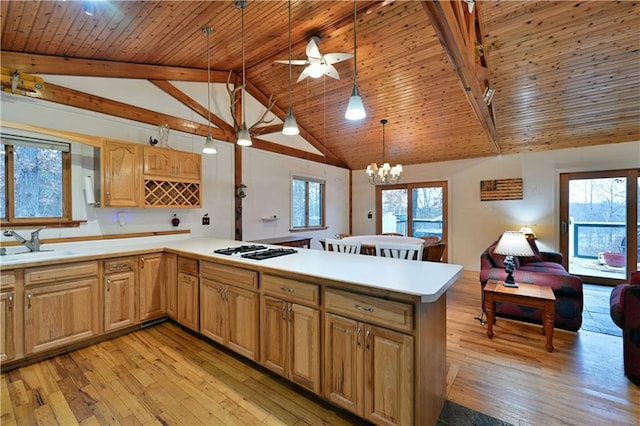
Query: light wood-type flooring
{"points": [[165, 375]]}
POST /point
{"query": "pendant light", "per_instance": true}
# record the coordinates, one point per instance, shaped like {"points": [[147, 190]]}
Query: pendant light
{"points": [[244, 138], [209, 143], [290, 126], [384, 175], [355, 108]]}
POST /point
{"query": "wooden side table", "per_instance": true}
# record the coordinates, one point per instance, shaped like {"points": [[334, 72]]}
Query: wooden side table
{"points": [[531, 295]]}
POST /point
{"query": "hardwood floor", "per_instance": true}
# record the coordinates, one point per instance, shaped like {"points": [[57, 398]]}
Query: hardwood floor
{"points": [[165, 375]]}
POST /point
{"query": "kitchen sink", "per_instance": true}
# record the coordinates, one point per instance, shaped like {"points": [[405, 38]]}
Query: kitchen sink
{"points": [[36, 255]]}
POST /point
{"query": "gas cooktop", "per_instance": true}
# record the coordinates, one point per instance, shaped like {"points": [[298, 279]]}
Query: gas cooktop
{"points": [[269, 253], [255, 252]]}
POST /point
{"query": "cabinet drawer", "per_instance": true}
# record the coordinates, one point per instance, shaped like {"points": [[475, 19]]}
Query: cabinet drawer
{"points": [[119, 264], [371, 309], [292, 290], [230, 275], [186, 265], [57, 273], [7, 279]]}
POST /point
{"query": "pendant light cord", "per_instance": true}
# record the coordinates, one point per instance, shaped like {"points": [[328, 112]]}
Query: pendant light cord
{"points": [[208, 30], [355, 51], [244, 81], [384, 122]]}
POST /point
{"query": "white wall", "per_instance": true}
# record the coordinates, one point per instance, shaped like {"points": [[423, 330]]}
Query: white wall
{"points": [[474, 224]]}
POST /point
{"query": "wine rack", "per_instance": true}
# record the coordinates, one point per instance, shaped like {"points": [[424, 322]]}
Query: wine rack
{"points": [[162, 193]]}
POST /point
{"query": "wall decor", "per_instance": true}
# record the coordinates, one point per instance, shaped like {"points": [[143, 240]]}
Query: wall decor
{"points": [[501, 189]]}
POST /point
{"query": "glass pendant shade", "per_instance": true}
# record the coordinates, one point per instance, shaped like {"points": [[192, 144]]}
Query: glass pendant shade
{"points": [[244, 139], [355, 108], [209, 146], [290, 125]]}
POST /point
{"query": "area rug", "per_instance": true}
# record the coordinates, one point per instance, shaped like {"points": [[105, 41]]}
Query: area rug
{"points": [[595, 313], [453, 414]]}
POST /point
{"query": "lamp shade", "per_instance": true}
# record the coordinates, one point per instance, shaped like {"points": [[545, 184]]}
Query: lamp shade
{"points": [[244, 139], [209, 146], [514, 243], [290, 125], [355, 108]]}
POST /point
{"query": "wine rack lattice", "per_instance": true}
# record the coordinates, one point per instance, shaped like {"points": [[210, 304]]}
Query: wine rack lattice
{"points": [[175, 194]]}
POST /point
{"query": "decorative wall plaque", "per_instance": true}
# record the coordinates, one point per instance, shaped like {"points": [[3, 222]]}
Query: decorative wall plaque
{"points": [[501, 189]]}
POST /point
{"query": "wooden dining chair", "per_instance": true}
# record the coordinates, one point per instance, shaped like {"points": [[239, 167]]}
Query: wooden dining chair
{"points": [[434, 252], [333, 244], [430, 240], [399, 251]]}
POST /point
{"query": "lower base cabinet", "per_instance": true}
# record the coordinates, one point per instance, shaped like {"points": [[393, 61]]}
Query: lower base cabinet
{"points": [[151, 281], [119, 293], [369, 370]]}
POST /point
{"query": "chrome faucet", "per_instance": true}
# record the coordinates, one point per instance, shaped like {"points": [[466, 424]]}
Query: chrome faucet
{"points": [[33, 244]]}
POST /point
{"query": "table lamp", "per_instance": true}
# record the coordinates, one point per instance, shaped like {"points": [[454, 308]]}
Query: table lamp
{"points": [[512, 243]]}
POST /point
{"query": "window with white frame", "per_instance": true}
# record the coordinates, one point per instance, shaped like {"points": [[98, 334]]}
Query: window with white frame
{"points": [[35, 180], [307, 203]]}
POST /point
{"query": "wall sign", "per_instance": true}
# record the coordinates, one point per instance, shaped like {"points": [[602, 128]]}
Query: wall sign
{"points": [[501, 189]]}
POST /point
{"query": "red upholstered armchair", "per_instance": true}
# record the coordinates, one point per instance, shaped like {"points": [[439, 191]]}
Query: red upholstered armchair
{"points": [[625, 312], [545, 269]]}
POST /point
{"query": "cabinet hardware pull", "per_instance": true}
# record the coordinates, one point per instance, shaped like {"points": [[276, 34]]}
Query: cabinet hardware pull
{"points": [[363, 308], [10, 298], [282, 311], [287, 290], [108, 284], [358, 330], [367, 339], [142, 261], [119, 266], [290, 314], [29, 295]]}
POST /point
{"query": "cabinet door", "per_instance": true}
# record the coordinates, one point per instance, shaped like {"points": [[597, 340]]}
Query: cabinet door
{"points": [[171, 284], [243, 316], [151, 286], [7, 328], [121, 174], [188, 300], [274, 335], [389, 377], [119, 300], [304, 341], [343, 372], [213, 315], [158, 162], [188, 165], [59, 314]]}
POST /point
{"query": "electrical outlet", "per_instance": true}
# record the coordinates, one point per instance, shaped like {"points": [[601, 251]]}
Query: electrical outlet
{"points": [[206, 220]]}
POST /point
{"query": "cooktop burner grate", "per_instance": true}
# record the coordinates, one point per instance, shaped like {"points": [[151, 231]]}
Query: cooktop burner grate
{"points": [[239, 249], [269, 253]]}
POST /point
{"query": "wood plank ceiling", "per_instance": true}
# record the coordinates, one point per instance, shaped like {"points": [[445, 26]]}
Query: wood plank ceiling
{"points": [[565, 74]]}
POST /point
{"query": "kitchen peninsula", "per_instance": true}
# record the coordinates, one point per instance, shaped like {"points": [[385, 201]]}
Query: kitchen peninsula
{"points": [[368, 334]]}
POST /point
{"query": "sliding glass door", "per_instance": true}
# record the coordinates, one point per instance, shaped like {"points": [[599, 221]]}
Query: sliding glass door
{"points": [[414, 210], [599, 224]]}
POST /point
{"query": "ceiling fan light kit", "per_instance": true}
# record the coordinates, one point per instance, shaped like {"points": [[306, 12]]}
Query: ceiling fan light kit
{"points": [[209, 143]]}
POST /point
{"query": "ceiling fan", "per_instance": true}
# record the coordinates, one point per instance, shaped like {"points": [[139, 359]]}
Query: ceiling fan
{"points": [[317, 63]]}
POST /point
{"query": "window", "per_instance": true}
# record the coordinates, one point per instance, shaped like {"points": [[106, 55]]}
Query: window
{"points": [[35, 184], [307, 203]]}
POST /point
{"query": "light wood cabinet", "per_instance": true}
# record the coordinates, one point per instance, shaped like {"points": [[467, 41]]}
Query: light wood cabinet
{"points": [[368, 369], [61, 305], [10, 316], [119, 293], [151, 286], [290, 332], [188, 293], [174, 164], [229, 313], [121, 177]]}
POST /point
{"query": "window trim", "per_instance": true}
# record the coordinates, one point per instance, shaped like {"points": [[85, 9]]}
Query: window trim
{"points": [[323, 197], [10, 219]]}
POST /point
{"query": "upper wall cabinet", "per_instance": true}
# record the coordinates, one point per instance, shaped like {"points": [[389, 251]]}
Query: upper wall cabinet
{"points": [[144, 176]]}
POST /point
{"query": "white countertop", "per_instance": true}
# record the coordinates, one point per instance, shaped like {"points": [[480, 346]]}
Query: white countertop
{"points": [[428, 280]]}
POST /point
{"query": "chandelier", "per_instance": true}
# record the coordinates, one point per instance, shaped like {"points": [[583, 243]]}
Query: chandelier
{"points": [[384, 175]]}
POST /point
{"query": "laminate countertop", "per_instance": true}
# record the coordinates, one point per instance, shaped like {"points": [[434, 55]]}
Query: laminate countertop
{"points": [[428, 280]]}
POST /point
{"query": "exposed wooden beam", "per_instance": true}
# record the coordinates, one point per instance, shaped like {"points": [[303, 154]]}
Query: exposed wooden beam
{"points": [[44, 64], [195, 106], [293, 152], [459, 48]]}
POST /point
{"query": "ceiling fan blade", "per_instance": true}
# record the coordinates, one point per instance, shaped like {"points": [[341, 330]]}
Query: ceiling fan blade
{"points": [[312, 48], [334, 58], [331, 71], [293, 61], [304, 74]]}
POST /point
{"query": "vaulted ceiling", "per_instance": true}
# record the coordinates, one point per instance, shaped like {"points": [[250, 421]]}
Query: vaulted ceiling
{"points": [[565, 74]]}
